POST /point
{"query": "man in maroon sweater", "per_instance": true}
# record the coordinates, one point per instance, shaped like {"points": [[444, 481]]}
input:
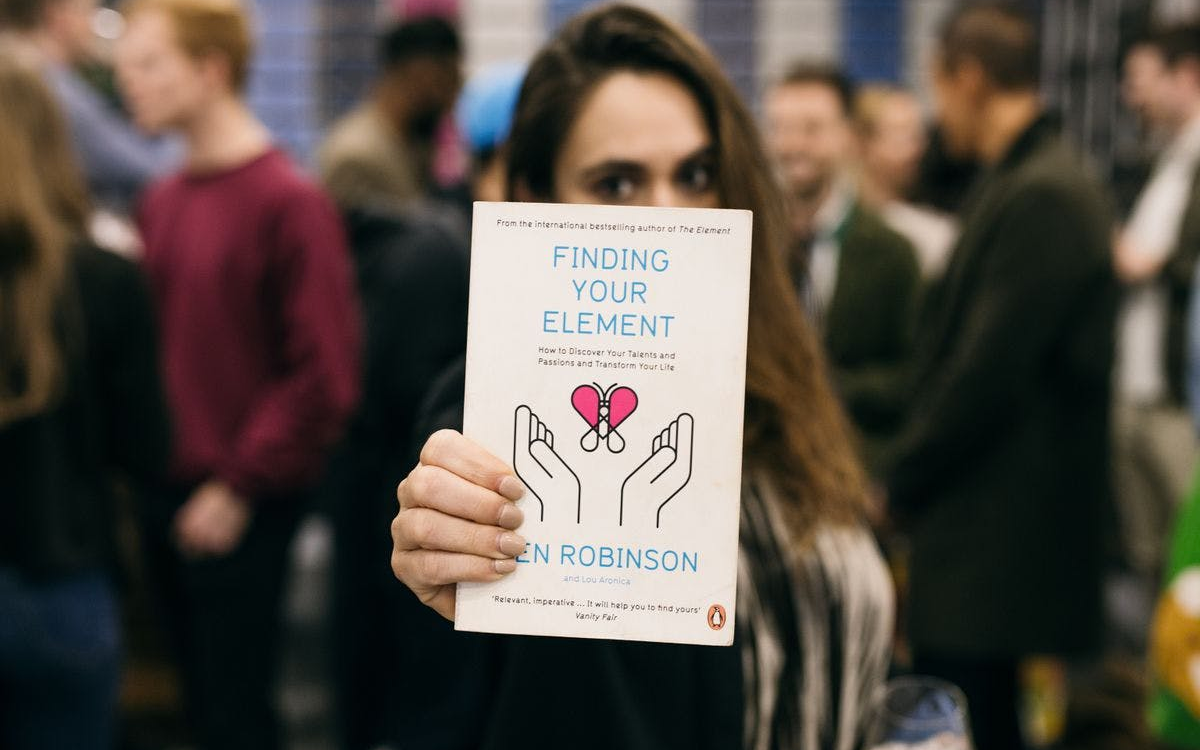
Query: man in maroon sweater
{"points": [[260, 337]]}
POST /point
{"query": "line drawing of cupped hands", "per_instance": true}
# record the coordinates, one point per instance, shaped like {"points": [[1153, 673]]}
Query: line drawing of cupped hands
{"points": [[543, 471], [658, 479]]}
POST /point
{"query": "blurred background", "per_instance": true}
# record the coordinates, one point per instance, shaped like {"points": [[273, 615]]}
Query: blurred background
{"points": [[316, 59]]}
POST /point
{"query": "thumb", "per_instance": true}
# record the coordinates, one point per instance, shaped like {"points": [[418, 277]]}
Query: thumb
{"points": [[657, 464], [546, 456]]}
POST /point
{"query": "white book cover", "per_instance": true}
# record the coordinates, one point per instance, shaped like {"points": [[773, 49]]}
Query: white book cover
{"points": [[606, 360]]}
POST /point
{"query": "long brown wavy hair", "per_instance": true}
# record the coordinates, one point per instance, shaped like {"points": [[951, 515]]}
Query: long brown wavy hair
{"points": [[796, 430], [43, 208]]}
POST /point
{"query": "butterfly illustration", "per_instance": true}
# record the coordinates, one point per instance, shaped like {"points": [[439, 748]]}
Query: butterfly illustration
{"points": [[604, 410]]}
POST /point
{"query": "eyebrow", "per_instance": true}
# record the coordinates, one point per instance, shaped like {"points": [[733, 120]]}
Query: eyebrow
{"points": [[626, 166]]}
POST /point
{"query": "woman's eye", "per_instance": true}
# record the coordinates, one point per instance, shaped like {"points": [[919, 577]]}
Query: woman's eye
{"points": [[614, 188], [697, 178]]}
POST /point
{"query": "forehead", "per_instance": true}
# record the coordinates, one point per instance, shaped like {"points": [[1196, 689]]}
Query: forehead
{"points": [[1145, 57], [900, 106], [804, 97], [643, 117], [149, 27]]}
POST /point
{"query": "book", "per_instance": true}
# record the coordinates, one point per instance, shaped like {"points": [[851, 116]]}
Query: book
{"points": [[606, 360]]}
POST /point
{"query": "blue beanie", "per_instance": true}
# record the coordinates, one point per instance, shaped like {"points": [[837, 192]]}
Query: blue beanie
{"points": [[485, 107]]}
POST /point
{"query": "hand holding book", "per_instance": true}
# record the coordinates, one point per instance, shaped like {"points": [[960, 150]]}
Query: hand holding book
{"points": [[456, 520]]}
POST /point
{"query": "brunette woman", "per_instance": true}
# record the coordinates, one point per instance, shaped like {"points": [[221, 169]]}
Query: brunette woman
{"points": [[80, 404], [622, 107]]}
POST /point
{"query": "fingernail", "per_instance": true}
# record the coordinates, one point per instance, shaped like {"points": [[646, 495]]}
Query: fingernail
{"points": [[504, 567], [511, 544], [512, 488], [511, 516]]}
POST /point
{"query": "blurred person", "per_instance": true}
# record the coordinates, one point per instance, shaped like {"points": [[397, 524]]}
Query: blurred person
{"points": [[381, 152], [80, 408], [484, 117], [412, 280], [1000, 475], [857, 278], [815, 603], [259, 329], [1155, 447], [412, 277], [117, 160], [892, 140], [1145, 84]]}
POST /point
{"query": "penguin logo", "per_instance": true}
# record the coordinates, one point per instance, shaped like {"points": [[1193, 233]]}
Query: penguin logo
{"points": [[716, 617]]}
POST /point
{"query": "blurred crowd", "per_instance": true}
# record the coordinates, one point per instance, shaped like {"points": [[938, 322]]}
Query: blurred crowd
{"points": [[203, 341]]}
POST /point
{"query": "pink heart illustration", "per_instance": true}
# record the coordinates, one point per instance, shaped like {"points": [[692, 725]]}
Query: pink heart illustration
{"points": [[586, 401], [621, 403]]}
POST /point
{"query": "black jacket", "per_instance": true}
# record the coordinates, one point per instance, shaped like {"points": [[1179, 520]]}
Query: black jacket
{"points": [[585, 694], [57, 469], [412, 281], [869, 325], [1002, 469]]}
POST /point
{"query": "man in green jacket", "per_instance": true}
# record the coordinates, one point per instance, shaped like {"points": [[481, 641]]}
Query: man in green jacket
{"points": [[1001, 472], [858, 279]]}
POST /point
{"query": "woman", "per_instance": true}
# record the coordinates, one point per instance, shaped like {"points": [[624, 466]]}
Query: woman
{"points": [[79, 399], [624, 108]]}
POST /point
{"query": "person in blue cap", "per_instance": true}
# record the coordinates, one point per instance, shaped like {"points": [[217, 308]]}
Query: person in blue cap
{"points": [[484, 116]]}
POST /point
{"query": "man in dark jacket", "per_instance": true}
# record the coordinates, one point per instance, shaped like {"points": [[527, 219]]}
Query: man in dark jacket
{"points": [[858, 279], [1002, 469]]}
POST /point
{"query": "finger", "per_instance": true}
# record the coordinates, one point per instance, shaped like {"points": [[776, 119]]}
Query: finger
{"points": [[658, 463], [458, 455], [656, 444], [673, 434], [424, 570], [421, 528], [549, 460], [524, 426], [686, 429], [550, 438], [439, 489]]}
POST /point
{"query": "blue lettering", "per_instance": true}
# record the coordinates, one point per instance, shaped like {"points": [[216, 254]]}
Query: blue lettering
{"points": [[673, 556], [660, 261], [638, 292], [667, 324], [691, 561], [589, 552], [652, 559], [606, 323]]}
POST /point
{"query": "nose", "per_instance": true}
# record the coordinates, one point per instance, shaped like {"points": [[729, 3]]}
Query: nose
{"points": [[665, 194]]}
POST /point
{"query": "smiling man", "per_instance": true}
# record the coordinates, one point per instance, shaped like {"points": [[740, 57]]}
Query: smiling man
{"points": [[858, 279]]}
